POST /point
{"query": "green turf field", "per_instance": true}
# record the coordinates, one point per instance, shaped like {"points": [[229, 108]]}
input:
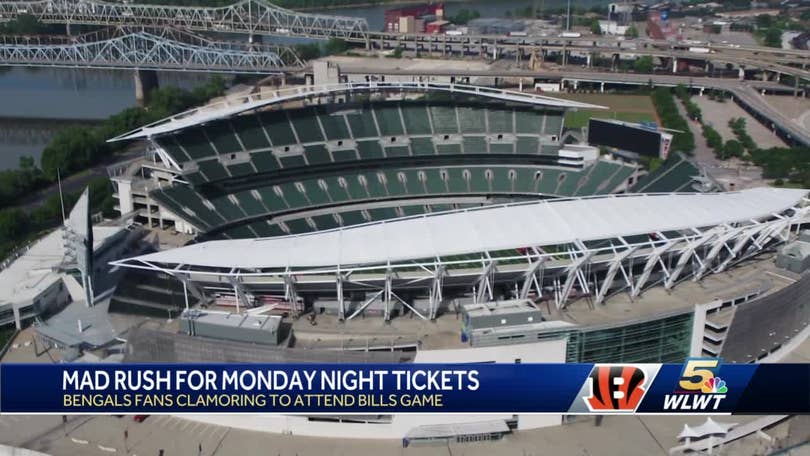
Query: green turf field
{"points": [[630, 108]]}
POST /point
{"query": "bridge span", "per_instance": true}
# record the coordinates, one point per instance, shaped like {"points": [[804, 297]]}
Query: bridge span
{"points": [[255, 17], [164, 49]]}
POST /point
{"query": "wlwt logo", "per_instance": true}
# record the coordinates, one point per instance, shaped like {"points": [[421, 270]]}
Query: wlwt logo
{"points": [[699, 388]]}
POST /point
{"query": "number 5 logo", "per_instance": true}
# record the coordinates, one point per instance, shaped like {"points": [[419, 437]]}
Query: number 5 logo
{"points": [[696, 372]]}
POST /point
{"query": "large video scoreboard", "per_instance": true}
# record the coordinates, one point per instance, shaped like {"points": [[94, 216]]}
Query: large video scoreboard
{"points": [[635, 138]]}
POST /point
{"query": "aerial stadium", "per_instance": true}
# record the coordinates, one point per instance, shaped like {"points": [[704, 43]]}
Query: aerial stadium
{"points": [[424, 223], [428, 222]]}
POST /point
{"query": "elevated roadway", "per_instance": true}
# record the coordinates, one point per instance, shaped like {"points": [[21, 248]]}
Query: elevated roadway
{"points": [[747, 93]]}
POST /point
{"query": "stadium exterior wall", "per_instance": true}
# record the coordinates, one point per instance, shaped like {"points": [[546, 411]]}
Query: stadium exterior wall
{"points": [[548, 351]]}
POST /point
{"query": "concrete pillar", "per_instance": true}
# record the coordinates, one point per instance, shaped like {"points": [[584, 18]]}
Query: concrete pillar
{"points": [[16, 311], [701, 91], [145, 82], [602, 87], [674, 64], [796, 87], [588, 60], [764, 75], [741, 74]]}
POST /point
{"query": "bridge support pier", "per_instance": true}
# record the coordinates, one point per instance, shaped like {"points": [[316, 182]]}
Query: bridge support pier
{"points": [[674, 64], [145, 82], [741, 74]]}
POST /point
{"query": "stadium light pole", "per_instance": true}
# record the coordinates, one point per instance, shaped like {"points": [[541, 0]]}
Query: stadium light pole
{"points": [[568, 16]]}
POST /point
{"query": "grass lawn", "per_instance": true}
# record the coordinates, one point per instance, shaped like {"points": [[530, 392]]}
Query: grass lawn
{"points": [[630, 108]]}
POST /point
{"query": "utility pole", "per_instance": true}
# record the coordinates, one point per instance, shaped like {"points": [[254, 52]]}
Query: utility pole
{"points": [[568, 17]]}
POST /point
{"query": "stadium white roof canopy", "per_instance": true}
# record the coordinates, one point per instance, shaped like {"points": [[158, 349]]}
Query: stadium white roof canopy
{"points": [[485, 229], [232, 106]]}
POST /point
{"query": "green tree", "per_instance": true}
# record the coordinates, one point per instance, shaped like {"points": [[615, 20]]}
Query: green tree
{"points": [[773, 37], [335, 46], [644, 64], [595, 28], [732, 148], [631, 32]]}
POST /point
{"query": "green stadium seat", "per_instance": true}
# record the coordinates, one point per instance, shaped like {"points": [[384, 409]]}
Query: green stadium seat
{"points": [[524, 180], [194, 178], [600, 172], [240, 232], [413, 209], [292, 161], [334, 126], [249, 204], [273, 202], [440, 207], [569, 185], [352, 218], [554, 124], [374, 186], [172, 148], [317, 196], [336, 191], [369, 150], [472, 119], [195, 143], [502, 148], [355, 190], [528, 122], [294, 198], [362, 125], [416, 119], [393, 184], [455, 181], [388, 119], [617, 179], [276, 230], [500, 121], [444, 120], [422, 146], [478, 181], [317, 154], [325, 222], [278, 128], [344, 155], [240, 169], [413, 184], [500, 180], [448, 149], [475, 145], [548, 181], [298, 226], [250, 132], [227, 209], [305, 123], [213, 170], [223, 137], [434, 182], [401, 151], [261, 228], [527, 145], [382, 213], [264, 161]]}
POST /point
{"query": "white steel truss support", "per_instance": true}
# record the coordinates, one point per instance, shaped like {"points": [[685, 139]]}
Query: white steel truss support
{"points": [[685, 256], [484, 283], [652, 260], [572, 273], [533, 278], [239, 293], [387, 292], [615, 266], [368, 302], [436, 286], [291, 295], [717, 246], [741, 242], [341, 301]]}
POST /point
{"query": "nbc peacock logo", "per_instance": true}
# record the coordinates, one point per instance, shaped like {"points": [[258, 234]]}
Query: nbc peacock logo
{"points": [[714, 385]]}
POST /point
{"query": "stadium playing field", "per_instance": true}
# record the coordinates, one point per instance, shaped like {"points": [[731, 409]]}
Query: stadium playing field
{"points": [[630, 108]]}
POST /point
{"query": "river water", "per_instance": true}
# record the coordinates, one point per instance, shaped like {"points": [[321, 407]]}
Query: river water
{"points": [[36, 102]]}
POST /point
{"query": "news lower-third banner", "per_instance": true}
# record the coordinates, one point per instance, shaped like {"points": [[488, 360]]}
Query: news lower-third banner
{"points": [[700, 385]]}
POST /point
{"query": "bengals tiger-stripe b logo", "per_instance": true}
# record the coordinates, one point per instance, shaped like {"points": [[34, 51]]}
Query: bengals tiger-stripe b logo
{"points": [[616, 388]]}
